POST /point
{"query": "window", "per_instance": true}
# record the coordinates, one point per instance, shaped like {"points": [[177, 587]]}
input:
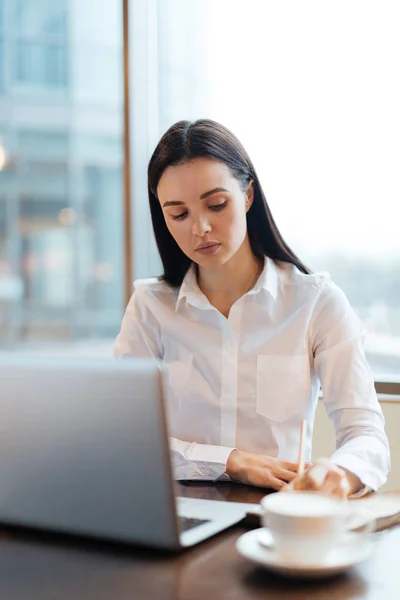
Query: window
{"points": [[39, 40], [308, 88], [61, 193], [41, 64], [40, 18]]}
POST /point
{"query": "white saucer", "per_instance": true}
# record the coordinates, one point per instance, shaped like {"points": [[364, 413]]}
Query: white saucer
{"points": [[257, 546]]}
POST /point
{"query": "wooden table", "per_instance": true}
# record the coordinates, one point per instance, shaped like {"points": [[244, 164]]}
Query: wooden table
{"points": [[38, 566]]}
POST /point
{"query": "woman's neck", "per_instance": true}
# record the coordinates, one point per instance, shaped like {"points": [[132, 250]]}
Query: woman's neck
{"points": [[225, 285]]}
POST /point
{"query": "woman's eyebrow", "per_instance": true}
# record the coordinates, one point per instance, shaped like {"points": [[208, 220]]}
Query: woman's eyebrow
{"points": [[214, 191], [173, 203], [202, 197]]}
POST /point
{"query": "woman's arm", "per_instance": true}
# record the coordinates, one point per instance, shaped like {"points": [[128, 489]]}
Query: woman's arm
{"points": [[139, 336], [349, 395]]}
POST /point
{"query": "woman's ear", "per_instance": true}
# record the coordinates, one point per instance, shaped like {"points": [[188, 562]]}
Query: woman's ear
{"points": [[249, 195]]}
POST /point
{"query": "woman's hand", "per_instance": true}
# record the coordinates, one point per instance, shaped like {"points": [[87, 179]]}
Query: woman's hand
{"points": [[325, 477], [260, 470]]}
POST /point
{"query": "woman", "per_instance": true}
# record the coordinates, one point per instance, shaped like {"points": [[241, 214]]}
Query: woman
{"points": [[247, 332]]}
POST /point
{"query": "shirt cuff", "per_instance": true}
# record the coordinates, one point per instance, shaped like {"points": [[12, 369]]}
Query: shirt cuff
{"points": [[363, 492], [356, 465], [201, 462], [207, 453]]}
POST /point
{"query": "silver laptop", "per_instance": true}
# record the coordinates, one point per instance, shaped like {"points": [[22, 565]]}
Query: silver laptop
{"points": [[84, 450]]}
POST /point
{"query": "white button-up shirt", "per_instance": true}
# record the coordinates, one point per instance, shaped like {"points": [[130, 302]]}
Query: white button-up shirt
{"points": [[248, 380]]}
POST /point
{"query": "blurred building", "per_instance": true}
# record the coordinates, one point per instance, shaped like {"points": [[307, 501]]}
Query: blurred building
{"points": [[61, 251]]}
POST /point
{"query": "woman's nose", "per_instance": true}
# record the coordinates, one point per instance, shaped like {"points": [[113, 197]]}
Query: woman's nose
{"points": [[201, 226]]}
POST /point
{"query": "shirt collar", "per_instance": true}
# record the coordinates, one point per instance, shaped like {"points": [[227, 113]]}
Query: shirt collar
{"points": [[268, 280], [191, 291]]}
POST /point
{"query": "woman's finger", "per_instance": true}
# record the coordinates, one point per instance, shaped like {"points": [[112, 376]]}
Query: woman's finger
{"points": [[265, 478], [285, 475], [316, 475], [275, 483], [336, 484], [289, 466]]}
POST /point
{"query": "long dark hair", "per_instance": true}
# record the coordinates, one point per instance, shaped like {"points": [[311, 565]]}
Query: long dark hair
{"points": [[204, 138]]}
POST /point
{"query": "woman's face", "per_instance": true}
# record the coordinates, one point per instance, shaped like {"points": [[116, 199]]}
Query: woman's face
{"points": [[205, 210]]}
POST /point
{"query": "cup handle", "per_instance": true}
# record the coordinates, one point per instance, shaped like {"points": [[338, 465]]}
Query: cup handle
{"points": [[365, 529], [368, 527]]}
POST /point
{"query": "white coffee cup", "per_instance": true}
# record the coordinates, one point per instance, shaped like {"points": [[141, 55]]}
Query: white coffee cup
{"points": [[305, 526]]}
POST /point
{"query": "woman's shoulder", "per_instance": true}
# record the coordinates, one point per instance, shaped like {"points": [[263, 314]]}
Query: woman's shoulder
{"points": [[291, 275], [155, 289], [319, 284], [152, 284]]}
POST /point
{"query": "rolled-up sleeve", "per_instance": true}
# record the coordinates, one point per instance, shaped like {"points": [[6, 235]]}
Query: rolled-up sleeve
{"points": [[348, 388], [199, 461]]}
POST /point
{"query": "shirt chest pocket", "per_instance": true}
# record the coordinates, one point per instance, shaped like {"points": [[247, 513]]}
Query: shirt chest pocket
{"points": [[283, 386]]}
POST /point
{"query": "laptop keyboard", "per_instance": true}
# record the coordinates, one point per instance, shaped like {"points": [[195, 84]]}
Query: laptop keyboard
{"points": [[186, 523]]}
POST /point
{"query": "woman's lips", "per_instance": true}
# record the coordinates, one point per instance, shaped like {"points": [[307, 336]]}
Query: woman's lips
{"points": [[208, 249]]}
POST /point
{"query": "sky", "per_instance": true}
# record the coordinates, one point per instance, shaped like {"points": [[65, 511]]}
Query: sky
{"points": [[312, 89]]}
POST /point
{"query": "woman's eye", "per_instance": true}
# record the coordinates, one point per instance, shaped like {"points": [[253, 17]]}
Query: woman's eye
{"points": [[217, 207], [180, 217]]}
